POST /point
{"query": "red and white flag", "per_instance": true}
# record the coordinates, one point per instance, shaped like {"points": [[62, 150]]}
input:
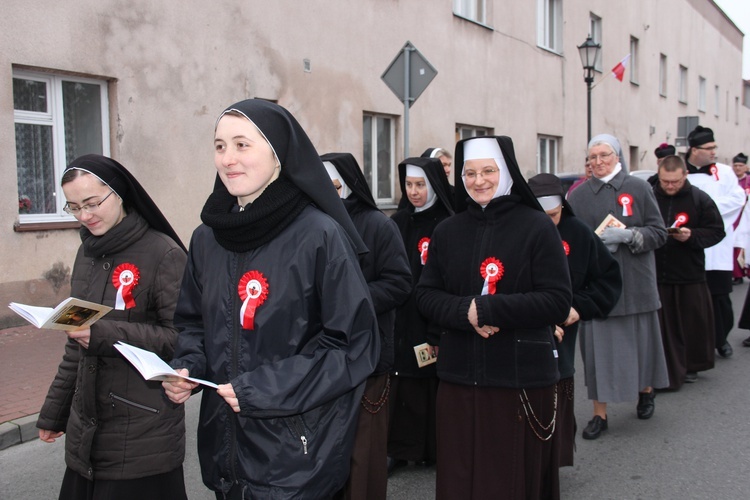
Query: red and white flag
{"points": [[619, 69]]}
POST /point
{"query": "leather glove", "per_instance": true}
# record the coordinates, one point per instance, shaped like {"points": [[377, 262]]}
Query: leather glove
{"points": [[613, 236]]}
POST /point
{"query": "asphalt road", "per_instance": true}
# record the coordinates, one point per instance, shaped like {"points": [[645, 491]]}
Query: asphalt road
{"points": [[697, 446]]}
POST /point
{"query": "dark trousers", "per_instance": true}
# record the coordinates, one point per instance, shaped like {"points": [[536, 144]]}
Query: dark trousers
{"points": [[167, 486], [720, 285]]}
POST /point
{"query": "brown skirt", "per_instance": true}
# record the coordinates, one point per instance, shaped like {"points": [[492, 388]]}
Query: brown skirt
{"points": [[566, 421], [491, 445]]}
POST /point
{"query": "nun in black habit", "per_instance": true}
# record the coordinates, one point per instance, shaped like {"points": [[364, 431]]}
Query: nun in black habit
{"points": [[275, 309], [386, 270], [413, 388], [495, 282], [596, 284], [123, 439]]}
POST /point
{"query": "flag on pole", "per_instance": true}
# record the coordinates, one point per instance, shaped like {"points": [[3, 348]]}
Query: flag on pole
{"points": [[619, 69]]}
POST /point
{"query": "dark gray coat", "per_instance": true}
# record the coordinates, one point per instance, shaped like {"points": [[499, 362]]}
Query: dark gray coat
{"points": [[118, 425]]}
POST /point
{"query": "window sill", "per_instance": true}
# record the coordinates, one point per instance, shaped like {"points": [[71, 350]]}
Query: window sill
{"points": [[550, 50], [44, 226], [474, 21]]}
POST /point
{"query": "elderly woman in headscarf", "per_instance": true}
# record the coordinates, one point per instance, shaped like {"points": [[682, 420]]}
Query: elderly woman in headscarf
{"points": [[275, 309], [123, 439], [623, 354], [386, 270], [495, 283], [411, 435], [596, 283]]}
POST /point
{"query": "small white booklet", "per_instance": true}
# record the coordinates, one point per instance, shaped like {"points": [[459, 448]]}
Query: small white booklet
{"points": [[151, 366], [71, 314]]}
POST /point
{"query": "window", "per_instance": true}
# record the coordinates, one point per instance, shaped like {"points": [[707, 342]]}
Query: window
{"points": [[595, 28], [701, 94], [736, 110], [717, 98], [57, 118], [379, 140], [474, 10], [546, 155], [634, 158], [549, 24], [633, 60], [662, 75], [682, 96], [466, 131]]}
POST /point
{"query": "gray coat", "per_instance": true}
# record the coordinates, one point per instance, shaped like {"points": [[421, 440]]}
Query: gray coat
{"points": [[593, 201]]}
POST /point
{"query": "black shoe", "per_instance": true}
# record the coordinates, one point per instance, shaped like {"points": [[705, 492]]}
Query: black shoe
{"points": [[691, 377], [394, 463], [726, 350], [645, 408], [746, 342], [736, 281], [595, 427]]}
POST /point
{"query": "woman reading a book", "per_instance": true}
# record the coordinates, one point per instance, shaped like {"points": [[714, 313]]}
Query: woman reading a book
{"points": [[275, 309], [623, 353], [124, 440]]}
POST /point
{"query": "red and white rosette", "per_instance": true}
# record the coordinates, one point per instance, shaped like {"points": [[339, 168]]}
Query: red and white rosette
{"points": [[253, 290], [680, 219], [423, 246], [626, 201], [492, 270], [125, 278], [714, 171], [566, 247]]}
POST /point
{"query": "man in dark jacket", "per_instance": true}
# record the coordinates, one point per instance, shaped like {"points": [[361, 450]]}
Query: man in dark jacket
{"points": [[686, 316], [386, 270]]}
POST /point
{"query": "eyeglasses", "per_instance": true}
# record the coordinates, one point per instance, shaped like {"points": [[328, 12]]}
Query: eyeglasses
{"points": [[89, 208], [472, 176], [603, 156], [710, 148], [672, 183]]}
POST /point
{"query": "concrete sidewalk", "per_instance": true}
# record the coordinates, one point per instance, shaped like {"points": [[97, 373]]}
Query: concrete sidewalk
{"points": [[28, 363]]}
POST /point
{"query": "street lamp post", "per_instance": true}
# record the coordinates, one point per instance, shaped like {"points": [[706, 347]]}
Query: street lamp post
{"points": [[588, 51]]}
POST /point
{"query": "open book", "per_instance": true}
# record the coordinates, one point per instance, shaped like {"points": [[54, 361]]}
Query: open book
{"points": [[151, 366], [609, 221], [70, 315]]}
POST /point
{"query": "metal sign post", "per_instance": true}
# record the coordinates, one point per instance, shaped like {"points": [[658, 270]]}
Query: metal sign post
{"points": [[408, 76]]}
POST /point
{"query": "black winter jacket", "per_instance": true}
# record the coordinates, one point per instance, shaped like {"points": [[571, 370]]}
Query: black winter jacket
{"points": [[679, 263], [532, 294], [386, 270], [298, 374], [412, 327], [119, 426]]}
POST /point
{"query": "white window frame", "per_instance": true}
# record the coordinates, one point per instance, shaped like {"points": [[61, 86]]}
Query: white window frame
{"points": [[473, 10], [595, 30], [374, 179], [466, 131], [683, 90], [663, 75], [633, 60], [549, 25], [54, 117], [547, 154], [701, 94]]}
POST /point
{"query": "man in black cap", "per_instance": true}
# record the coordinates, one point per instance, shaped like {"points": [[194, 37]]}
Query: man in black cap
{"points": [[663, 151], [719, 182]]}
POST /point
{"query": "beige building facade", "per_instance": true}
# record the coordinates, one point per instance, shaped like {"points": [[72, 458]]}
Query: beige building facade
{"points": [[144, 81]]}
